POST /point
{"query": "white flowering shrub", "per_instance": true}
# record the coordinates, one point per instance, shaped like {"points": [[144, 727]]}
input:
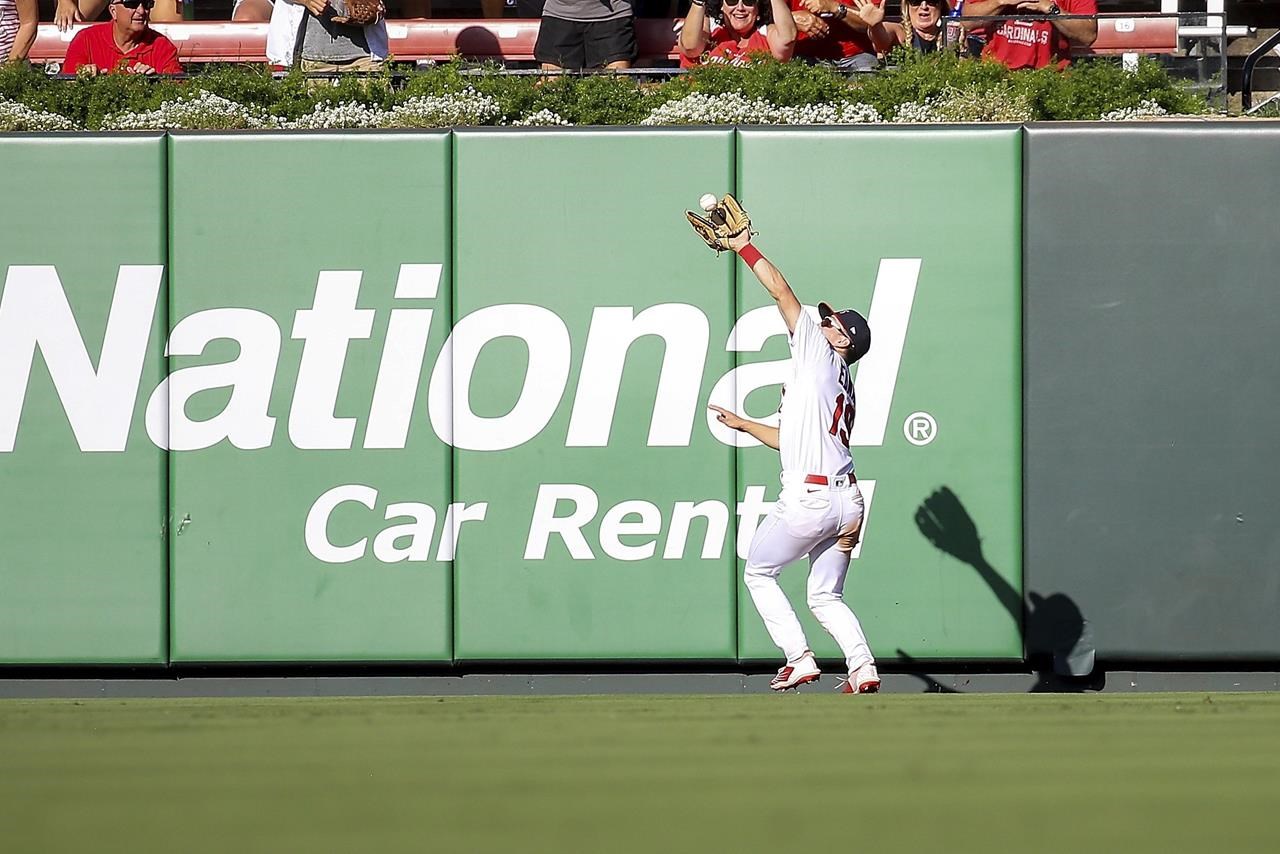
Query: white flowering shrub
{"points": [[1146, 109], [15, 117], [330, 116], [542, 118], [465, 108], [996, 104], [698, 108], [829, 114], [967, 105], [916, 112], [734, 108], [858, 114], [204, 111]]}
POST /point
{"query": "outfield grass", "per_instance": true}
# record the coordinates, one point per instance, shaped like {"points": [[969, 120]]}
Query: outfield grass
{"points": [[808, 772]]}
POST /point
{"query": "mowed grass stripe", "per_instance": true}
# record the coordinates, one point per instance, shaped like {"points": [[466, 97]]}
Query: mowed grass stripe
{"points": [[802, 772]]}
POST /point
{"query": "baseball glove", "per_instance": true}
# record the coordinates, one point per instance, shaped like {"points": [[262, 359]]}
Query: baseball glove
{"points": [[725, 220], [361, 13]]}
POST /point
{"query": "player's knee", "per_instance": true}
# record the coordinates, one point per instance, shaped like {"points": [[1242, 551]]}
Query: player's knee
{"points": [[755, 574], [819, 599]]}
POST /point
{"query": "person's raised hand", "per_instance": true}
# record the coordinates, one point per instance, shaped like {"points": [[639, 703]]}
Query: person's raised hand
{"points": [[820, 6], [810, 24], [869, 13], [66, 15]]}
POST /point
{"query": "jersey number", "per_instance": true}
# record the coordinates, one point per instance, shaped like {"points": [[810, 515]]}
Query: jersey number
{"points": [[842, 421]]}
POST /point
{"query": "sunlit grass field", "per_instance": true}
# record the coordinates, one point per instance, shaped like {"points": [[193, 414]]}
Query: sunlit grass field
{"points": [[799, 772]]}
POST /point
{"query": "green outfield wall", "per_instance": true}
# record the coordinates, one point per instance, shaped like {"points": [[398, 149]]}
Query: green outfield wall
{"points": [[453, 407]]}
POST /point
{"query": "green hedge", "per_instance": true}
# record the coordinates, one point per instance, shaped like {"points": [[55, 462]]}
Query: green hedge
{"points": [[939, 87]]}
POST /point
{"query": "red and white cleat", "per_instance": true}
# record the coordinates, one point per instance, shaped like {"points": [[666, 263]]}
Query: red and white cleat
{"points": [[864, 680], [799, 672]]}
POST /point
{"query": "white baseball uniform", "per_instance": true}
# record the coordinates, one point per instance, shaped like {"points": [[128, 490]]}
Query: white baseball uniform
{"points": [[819, 511]]}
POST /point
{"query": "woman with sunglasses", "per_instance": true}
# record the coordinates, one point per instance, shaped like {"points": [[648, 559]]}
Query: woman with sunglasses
{"points": [[746, 27], [125, 43], [18, 22], [920, 30]]}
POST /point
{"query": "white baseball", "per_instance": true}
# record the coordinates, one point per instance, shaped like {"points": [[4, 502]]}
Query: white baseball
{"points": [[708, 202]]}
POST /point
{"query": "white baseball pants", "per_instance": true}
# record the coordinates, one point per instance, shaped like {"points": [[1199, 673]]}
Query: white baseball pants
{"points": [[822, 522]]}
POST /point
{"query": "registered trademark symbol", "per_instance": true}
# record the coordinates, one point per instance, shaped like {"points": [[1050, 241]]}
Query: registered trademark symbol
{"points": [[920, 428]]}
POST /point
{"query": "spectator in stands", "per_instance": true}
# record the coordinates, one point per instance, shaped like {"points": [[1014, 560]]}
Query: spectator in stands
{"points": [[313, 33], [125, 43], [251, 11], [18, 22], [259, 11], [580, 34], [69, 12], [838, 33], [744, 28], [1039, 42], [920, 28]]}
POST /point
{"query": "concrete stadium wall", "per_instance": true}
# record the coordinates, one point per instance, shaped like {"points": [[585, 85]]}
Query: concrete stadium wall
{"points": [[452, 408]]}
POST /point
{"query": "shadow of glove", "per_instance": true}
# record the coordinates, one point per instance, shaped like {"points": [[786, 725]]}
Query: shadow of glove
{"points": [[947, 525]]}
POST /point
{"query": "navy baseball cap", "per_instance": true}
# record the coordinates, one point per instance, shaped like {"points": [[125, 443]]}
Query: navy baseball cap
{"points": [[854, 325]]}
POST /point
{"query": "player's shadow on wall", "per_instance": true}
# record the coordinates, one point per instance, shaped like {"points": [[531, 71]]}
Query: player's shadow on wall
{"points": [[1058, 649]]}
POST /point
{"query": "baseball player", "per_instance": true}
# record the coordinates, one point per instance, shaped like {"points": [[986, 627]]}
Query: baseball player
{"points": [[820, 509]]}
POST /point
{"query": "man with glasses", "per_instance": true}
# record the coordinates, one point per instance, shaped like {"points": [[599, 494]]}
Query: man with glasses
{"points": [[1036, 42], [820, 509], [126, 43]]}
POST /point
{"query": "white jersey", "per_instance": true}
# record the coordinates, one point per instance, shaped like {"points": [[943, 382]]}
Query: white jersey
{"points": [[817, 406]]}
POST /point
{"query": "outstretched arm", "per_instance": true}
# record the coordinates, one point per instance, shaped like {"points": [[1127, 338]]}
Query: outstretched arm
{"points": [[1077, 31], [693, 35], [763, 433], [770, 277], [979, 8], [781, 34]]}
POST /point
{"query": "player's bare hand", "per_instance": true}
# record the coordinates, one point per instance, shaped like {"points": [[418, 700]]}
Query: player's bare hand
{"points": [[810, 24], [66, 14], [1041, 6], [727, 418], [140, 68], [868, 12], [315, 7]]}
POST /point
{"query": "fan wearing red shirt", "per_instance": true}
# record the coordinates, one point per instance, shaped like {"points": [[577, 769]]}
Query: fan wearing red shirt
{"points": [[838, 32], [127, 43], [1035, 43], [746, 29]]}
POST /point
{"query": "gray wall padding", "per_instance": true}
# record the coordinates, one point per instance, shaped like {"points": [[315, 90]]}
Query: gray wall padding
{"points": [[1152, 388]]}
